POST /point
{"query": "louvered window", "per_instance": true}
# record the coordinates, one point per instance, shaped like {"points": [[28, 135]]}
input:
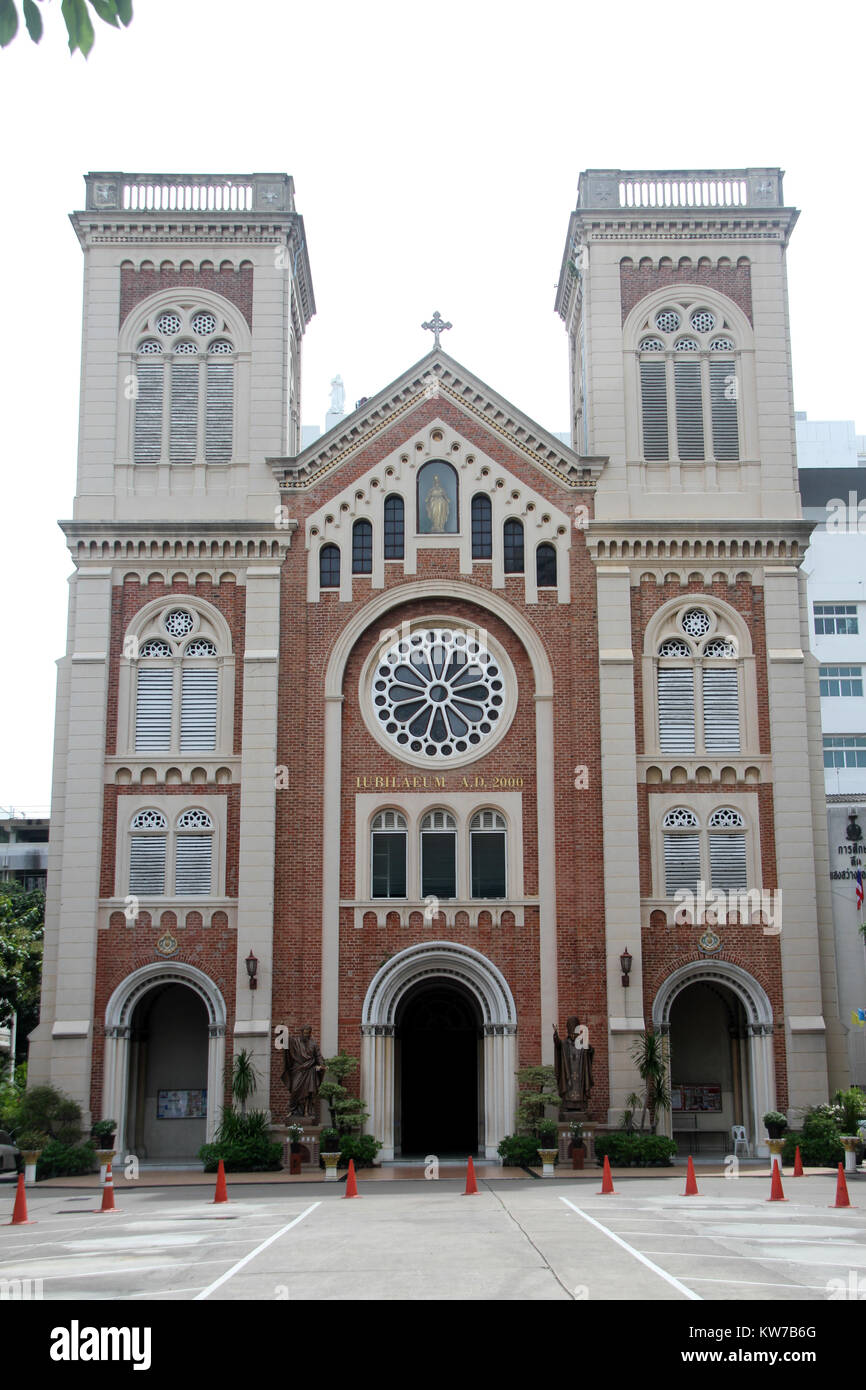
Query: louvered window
{"points": [[198, 710], [487, 854], [394, 528], [183, 413], [219, 411], [721, 709], [153, 708], [147, 447], [723, 404], [676, 699], [727, 851], [199, 372], [438, 855], [689, 409], [654, 405], [389, 855], [482, 528], [682, 851], [147, 854], [193, 856]]}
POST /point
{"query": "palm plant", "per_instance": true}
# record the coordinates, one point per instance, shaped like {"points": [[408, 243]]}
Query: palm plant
{"points": [[244, 1079], [649, 1055]]}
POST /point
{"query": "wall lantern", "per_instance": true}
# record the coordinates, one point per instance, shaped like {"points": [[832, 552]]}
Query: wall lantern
{"points": [[625, 961], [252, 965]]}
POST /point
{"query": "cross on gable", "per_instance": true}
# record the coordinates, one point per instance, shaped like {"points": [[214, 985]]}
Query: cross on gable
{"points": [[436, 326]]}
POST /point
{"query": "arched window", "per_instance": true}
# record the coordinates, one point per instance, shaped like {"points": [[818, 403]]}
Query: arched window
{"points": [[482, 528], [715, 856], [388, 855], [545, 566], [394, 527], [193, 854], [184, 857], [177, 691], [698, 672], [513, 546], [487, 854], [184, 406], [438, 855], [689, 384], [147, 853], [362, 547], [329, 567]]}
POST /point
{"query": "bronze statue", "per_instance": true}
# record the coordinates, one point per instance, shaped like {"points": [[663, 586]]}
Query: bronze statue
{"points": [[302, 1072], [573, 1066]]}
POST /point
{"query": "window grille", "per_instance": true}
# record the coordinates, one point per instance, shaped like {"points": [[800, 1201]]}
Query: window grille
{"points": [[394, 528], [362, 547], [482, 528], [513, 547]]}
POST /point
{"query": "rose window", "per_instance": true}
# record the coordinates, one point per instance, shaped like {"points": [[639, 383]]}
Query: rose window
{"points": [[178, 623], [696, 623], [438, 692]]}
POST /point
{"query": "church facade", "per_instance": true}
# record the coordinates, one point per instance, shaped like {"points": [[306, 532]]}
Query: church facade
{"points": [[437, 733]]}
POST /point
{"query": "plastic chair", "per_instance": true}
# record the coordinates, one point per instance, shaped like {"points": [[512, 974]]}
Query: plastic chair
{"points": [[738, 1135]]}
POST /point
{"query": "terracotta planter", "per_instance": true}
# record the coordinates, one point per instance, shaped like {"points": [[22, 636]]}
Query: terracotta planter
{"points": [[577, 1156]]}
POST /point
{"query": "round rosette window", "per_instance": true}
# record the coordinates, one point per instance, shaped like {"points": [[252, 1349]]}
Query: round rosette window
{"points": [[439, 694]]}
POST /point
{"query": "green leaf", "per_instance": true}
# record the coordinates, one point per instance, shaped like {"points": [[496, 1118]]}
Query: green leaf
{"points": [[124, 11], [78, 25], [8, 22], [107, 11], [33, 20]]}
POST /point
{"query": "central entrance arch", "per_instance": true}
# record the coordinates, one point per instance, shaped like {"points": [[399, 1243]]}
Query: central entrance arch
{"points": [[438, 1039], [421, 1010]]}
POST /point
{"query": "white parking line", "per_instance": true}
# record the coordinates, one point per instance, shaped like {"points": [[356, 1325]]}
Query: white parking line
{"points": [[656, 1269], [251, 1256]]}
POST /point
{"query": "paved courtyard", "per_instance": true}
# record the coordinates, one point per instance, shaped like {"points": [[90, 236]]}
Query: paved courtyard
{"points": [[516, 1240]]}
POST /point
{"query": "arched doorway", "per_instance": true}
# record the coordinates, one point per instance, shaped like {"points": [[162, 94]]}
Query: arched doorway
{"points": [[720, 1026], [438, 1064], [167, 1087], [165, 1028], [444, 986]]}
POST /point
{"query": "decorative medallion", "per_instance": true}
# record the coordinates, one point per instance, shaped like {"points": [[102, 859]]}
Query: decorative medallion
{"points": [[709, 941], [167, 945]]}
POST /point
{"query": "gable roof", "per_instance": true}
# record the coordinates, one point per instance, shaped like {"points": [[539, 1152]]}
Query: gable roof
{"points": [[437, 374]]}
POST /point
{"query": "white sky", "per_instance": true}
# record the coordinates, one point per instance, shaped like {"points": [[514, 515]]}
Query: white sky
{"points": [[435, 150]]}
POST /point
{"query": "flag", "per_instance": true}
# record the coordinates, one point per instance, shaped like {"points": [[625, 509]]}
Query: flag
{"points": [[858, 1018], [859, 890]]}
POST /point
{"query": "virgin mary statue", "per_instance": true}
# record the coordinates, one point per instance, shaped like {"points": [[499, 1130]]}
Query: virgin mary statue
{"points": [[438, 505]]}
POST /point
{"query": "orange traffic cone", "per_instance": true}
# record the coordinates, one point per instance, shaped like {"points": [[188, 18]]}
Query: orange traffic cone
{"points": [[606, 1180], [351, 1181], [776, 1193], [842, 1198], [107, 1193], [471, 1184], [221, 1194], [19, 1213], [691, 1181], [798, 1163]]}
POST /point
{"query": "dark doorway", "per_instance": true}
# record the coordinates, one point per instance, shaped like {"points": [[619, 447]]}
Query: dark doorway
{"points": [[438, 1031]]}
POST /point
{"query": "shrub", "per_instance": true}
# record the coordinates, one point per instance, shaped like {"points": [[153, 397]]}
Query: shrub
{"points": [[818, 1139], [850, 1106], [234, 1128], [630, 1149], [361, 1147], [59, 1160], [255, 1155], [47, 1109], [519, 1151]]}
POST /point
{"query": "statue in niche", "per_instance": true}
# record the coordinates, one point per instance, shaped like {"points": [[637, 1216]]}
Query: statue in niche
{"points": [[573, 1062], [302, 1072], [338, 396], [438, 505]]}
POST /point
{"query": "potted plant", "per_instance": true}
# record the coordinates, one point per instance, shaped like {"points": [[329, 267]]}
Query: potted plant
{"points": [[329, 1141], [775, 1124], [294, 1134], [102, 1133], [31, 1142]]}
